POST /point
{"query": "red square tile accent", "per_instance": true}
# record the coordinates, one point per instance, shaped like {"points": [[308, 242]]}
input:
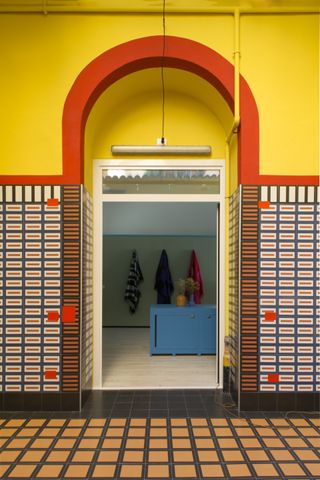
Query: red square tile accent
{"points": [[68, 314], [50, 374], [52, 202], [53, 316], [273, 378], [270, 316], [265, 204]]}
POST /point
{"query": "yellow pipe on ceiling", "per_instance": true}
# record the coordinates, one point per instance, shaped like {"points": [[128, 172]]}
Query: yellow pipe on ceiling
{"points": [[44, 8]]}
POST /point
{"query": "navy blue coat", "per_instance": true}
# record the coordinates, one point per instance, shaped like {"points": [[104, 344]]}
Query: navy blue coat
{"points": [[163, 281]]}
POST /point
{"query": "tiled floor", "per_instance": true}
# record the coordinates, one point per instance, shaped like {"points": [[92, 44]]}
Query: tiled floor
{"points": [[157, 403], [90, 444]]}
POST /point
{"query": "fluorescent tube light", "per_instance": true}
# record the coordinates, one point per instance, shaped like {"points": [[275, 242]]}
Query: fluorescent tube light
{"points": [[161, 149]]}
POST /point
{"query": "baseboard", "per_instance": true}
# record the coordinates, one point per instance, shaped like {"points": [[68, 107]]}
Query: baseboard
{"points": [[279, 401], [125, 326], [39, 401]]}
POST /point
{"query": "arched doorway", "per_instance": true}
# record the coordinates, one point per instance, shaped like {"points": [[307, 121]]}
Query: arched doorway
{"points": [[144, 53], [129, 112]]}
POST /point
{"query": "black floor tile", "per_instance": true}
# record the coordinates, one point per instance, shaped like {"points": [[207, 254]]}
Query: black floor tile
{"points": [[140, 413], [194, 401], [154, 403], [163, 403], [218, 414], [125, 398], [122, 408], [211, 406], [140, 407], [176, 406], [209, 393], [194, 405], [252, 414], [192, 394], [196, 412], [60, 414], [97, 413], [158, 407], [177, 413], [69, 401], [140, 403], [144, 393], [158, 413]]}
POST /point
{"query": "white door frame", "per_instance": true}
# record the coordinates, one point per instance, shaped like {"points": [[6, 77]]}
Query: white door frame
{"points": [[98, 199]]}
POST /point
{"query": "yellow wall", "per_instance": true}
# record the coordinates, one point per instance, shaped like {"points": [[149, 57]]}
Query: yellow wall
{"points": [[281, 66], [42, 55], [130, 113], [42, 58]]}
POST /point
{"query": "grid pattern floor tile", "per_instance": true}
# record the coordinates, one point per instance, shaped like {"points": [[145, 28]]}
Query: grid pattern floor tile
{"points": [[160, 448]]}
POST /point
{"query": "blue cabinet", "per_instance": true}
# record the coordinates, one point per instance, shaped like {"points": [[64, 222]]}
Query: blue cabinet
{"points": [[182, 330]]}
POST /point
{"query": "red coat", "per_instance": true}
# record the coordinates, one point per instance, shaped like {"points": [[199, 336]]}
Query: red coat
{"points": [[194, 272]]}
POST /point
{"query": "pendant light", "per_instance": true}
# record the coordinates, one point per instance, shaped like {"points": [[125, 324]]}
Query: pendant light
{"points": [[161, 148]]}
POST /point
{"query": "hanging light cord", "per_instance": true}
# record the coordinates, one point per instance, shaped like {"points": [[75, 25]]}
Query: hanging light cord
{"points": [[162, 68]]}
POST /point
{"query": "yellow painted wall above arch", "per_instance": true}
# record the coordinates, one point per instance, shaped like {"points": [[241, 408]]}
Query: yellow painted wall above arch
{"points": [[43, 54], [42, 57]]}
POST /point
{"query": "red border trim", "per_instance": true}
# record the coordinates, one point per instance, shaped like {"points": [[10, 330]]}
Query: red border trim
{"points": [[144, 53]]}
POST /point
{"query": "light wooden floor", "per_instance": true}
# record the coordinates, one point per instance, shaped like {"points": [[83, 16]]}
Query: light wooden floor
{"points": [[127, 364]]}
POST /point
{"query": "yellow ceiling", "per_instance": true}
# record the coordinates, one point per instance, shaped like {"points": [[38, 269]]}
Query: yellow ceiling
{"points": [[155, 5]]}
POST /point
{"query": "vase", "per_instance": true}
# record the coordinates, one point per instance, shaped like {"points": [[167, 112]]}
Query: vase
{"points": [[181, 301], [191, 301]]}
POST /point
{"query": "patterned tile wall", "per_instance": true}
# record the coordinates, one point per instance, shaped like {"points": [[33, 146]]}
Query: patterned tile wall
{"points": [[87, 292], [249, 289], [278, 288], [41, 302], [31, 290], [234, 239], [71, 288], [289, 326], [40, 245]]}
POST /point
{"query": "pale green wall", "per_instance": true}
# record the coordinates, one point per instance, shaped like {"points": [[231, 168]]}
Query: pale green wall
{"points": [[116, 259]]}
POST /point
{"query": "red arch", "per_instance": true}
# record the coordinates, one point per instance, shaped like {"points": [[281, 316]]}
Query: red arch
{"points": [[143, 53]]}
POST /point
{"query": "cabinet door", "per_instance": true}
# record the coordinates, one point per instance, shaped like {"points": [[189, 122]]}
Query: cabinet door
{"points": [[175, 334], [207, 332]]}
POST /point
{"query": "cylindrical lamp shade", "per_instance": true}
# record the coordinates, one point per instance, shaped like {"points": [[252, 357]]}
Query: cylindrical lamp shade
{"points": [[161, 149]]}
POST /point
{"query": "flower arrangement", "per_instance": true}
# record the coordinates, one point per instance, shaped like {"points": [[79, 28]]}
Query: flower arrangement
{"points": [[186, 288], [191, 285]]}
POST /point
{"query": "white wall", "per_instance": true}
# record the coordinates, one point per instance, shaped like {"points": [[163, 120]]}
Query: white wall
{"points": [[159, 219]]}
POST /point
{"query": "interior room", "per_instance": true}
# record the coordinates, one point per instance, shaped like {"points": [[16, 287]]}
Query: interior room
{"points": [[148, 228]]}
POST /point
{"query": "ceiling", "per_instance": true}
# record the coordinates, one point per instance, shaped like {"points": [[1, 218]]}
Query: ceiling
{"points": [[154, 5]]}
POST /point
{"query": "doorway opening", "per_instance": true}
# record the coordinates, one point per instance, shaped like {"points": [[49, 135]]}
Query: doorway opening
{"points": [[146, 208]]}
